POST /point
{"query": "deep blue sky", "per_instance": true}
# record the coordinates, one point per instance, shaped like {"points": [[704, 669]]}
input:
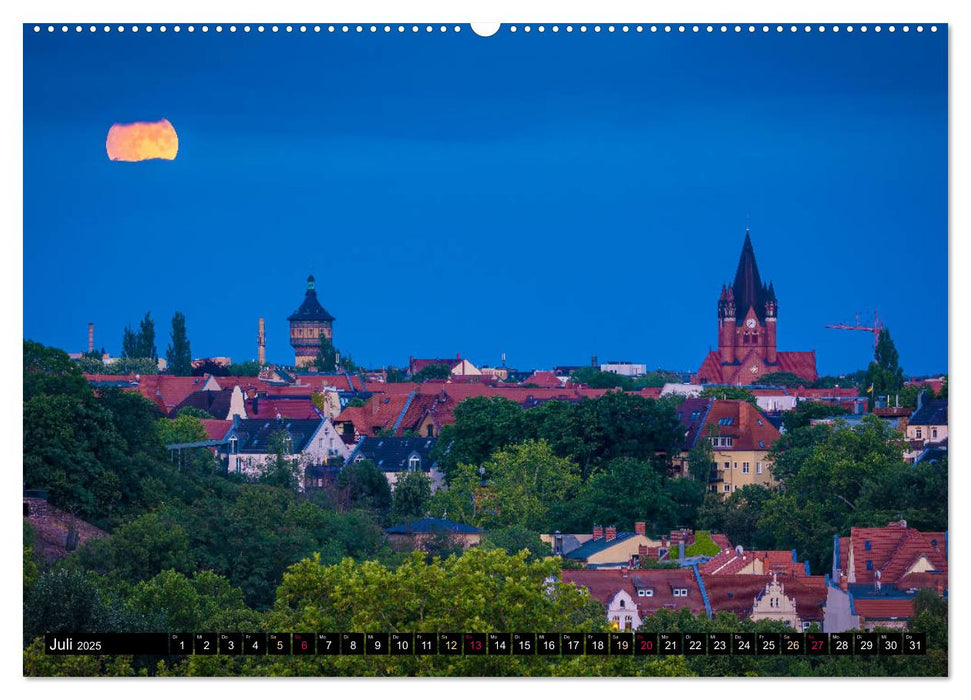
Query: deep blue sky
{"points": [[550, 196]]}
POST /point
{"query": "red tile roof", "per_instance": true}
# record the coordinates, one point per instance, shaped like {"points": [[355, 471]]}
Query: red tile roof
{"points": [[737, 594], [300, 409], [545, 379], [604, 584], [216, 429], [801, 363], [883, 608], [893, 549], [747, 428], [728, 562]]}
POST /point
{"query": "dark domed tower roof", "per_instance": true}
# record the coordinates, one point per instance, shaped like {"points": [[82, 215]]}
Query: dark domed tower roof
{"points": [[310, 309], [748, 288]]}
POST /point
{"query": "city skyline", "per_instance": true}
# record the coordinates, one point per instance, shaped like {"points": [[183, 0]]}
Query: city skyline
{"points": [[542, 197]]}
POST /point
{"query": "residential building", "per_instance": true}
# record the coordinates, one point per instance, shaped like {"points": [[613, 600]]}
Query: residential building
{"points": [[608, 548], [927, 428], [747, 330], [630, 595], [740, 437], [251, 444], [880, 570], [417, 534], [397, 456]]}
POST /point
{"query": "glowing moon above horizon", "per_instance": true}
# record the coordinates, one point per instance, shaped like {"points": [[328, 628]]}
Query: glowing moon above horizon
{"points": [[142, 141]]}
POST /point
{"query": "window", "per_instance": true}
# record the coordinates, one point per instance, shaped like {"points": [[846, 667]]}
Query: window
{"points": [[758, 467], [934, 433], [414, 463], [727, 488], [622, 603], [628, 622], [759, 421], [430, 430], [869, 565], [761, 444], [745, 469], [725, 421], [727, 465], [734, 465], [676, 592], [645, 592], [867, 546], [919, 433]]}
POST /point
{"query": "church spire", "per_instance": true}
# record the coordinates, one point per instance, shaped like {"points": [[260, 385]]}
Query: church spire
{"points": [[748, 289]]}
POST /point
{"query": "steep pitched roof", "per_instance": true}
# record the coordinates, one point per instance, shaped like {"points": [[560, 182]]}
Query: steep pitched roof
{"points": [[256, 435], [692, 414], [542, 378], [892, 550], [604, 584], [588, 549], [747, 287], [392, 454], [798, 362], [216, 429], [740, 420], [736, 594], [310, 309], [215, 403], [933, 412]]}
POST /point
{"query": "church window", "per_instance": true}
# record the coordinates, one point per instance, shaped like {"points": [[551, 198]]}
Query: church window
{"points": [[745, 339]]}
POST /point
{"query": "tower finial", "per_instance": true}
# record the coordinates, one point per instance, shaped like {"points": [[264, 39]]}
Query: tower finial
{"points": [[310, 283]]}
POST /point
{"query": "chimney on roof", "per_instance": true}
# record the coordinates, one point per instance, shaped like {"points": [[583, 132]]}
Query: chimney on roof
{"points": [[681, 550], [598, 532], [611, 533], [623, 571], [640, 528], [261, 343], [90, 337]]}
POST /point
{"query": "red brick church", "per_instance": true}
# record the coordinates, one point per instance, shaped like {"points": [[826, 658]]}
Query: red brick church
{"points": [[747, 327]]}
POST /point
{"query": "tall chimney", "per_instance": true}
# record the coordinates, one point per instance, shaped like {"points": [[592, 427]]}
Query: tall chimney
{"points": [[611, 533], [640, 527], [598, 532], [261, 343], [90, 337]]}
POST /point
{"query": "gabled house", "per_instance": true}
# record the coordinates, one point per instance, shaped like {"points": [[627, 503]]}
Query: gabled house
{"points": [[740, 437], [878, 571], [609, 549], [221, 404], [798, 601], [630, 595], [396, 456], [927, 428], [252, 444]]}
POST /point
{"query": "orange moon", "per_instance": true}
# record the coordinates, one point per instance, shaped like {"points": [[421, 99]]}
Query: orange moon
{"points": [[142, 141]]}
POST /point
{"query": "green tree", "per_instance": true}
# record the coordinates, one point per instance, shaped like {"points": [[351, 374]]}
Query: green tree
{"points": [[595, 379], [884, 376], [145, 345], [524, 484], [806, 411], [411, 497], [482, 424], [140, 549], [515, 539], [250, 368], [366, 487], [326, 360], [734, 393], [129, 343], [437, 370], [195, 413], [178, 355]]}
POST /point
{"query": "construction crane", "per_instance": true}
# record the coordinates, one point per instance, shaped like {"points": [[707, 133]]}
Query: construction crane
{"points": [[858, 326]]}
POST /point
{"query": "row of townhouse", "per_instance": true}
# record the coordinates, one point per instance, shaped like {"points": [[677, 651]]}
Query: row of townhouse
{"points": [[877, 573]]}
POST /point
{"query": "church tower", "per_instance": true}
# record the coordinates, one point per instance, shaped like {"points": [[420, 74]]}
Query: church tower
{"points": [[748, 316], [307, 324], [747, 322]]}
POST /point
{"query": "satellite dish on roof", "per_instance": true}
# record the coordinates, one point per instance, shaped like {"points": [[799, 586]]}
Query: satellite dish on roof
{"points": [[738, 550]]}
